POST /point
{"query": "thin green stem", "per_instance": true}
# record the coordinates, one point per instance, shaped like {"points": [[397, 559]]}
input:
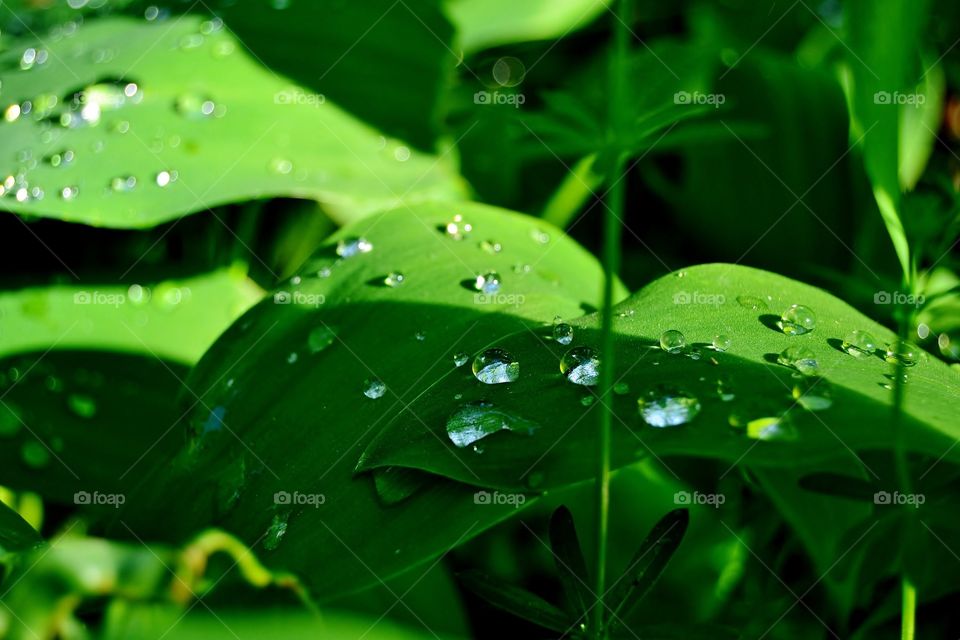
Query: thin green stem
{"points": [[616, 196], [908, 610]]}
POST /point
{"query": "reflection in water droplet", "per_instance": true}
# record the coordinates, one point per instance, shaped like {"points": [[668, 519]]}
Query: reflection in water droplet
{"points": [[458, 228], [394, 279], [721, 342], [725, 388], [349, 247], [758, 421], [672, 341], [164, 178], [801, 359], [476, 420], [581, 365], [859, 343], [813, 393], [496, 366], [374, 388], [752, 302], [276, 531], [668, 406], [460, 358], [563, 333], [488, 283], [905, 353], [797, 320]]}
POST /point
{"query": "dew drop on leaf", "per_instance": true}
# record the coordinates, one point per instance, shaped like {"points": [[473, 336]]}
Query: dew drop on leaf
{"points": [[904, 353], [813, 393], [320, 338], [487, 283], [672, 341], [374, 388], [721, 342], [276, 530], [477, 420], [581, 365], [394, 279], [859, 343], [801, 359], [563, 333], [752, 302], [667, 406], [797, 320], [496, 366], [460, 358], [349, 247]]}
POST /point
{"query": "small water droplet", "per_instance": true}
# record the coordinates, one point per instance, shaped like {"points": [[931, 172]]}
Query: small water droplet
{"points": [[496, 366], [349, 247], [420, 336], [752, 302], [123, 184], [60, 158], [672, 341], [374, 388], [721, 342], [458, 228], [725, 388], [760, 422], [12, 113], [69, 193], [293, 357], [491, 246], [581, 365], [276, 530], [164, 178], [801, 359], [621, 388], [797, 320], [905, 353], [563, 333], [586, 400], [394, 279], [668, 406], [488, 283], [540, 236], [195, 106], [320, 338], [460, 358], [813, 393], [281, 166], [477, 420]]}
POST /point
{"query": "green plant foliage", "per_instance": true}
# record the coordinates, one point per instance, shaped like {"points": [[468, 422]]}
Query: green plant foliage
{"points": [[15, 534], [202, 127]]}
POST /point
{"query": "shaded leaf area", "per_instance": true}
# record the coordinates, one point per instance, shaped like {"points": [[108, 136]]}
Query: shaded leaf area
{"points": [[83, 427], [16, 535], [128, 124], [175, 320], [769, 403], [284, 414]]}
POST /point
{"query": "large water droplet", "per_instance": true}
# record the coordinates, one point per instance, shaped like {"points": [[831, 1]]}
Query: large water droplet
{"points": [[801, 359], [668, 406], [488, 283], [374, 388], [476, 420], [496, 366], [672, 341], [563, 333], [859, 343], [581, 365], [349, 247], [904, 353], [797, 320]]}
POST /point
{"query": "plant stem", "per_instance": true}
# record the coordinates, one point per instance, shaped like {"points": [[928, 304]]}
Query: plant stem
{"points": [[908, 609], [616, 196]]}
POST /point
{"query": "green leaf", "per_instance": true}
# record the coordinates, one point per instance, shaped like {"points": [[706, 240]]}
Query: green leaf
{"points": [[517, 601], [647, 564], [482, 24], [570, 563], [203, 108], [15, 534], [82, 427], [840, 485], [175, 320], [701, 302], [283, 402]]}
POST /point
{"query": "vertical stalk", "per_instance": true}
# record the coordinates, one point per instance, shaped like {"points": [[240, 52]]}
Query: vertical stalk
{"points": [[908, 609], [616, 196]]}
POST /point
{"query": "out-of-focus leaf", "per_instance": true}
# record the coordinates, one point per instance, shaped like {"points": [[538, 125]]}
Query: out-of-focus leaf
{"points": [[517, 601], [15, 534], [204, 124], [570, 563]]}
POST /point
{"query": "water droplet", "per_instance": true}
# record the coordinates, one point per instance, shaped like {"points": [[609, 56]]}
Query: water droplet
{"points": [[586, 400], [458, 228], [281, 166], [349, 247], [460, 358], [276, 531], [621, 388], [374, 388], [394, 279], [12, 113], [496, 366], [904, 353], [797, 320], [123, 184], [668, 406], [293, 357], [491, 246], [488, 283], [581, 365], [320, 338], [540, 236], [725, 388], [801, 359], [34, 454], [563, 333], [721, 342], [672, 341], [60, 159], [477, 420], [82, 405], [813, 393], [859, 343], [164, 178], [401, 153], [69, 193], [195, 106], [752, 302], [759, 422]]}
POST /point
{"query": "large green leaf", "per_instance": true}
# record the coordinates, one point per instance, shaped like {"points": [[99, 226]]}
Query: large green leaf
{"points": [[176, 320], [701, 302], [201, 107], [282, 392], [15, 534]]}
